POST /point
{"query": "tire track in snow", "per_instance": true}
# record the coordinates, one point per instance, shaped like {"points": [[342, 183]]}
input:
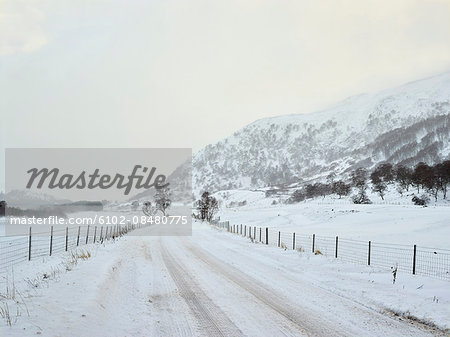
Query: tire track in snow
{"points": [[165, 302], [307, 325], [374, 323], [212, 321], [371, 321]]}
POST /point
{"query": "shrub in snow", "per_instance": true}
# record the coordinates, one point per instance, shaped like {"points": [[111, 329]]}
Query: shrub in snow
{"points": [[361, 198], [394, 273], [297, 196], [423, 200]]}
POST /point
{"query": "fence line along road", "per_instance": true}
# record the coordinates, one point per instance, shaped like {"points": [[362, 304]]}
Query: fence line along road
{"points": [[19, 248], [413, 259]]}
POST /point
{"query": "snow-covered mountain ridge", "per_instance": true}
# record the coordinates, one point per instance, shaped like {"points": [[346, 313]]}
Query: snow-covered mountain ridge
{"points": [[406, 124]]}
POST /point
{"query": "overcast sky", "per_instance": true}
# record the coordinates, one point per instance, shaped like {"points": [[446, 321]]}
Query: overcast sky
{"points": [[120, 73]]}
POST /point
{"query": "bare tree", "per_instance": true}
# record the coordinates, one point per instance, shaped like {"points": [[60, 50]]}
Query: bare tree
{"points": [[162, 199], [403, 176], [207, 207], [341, 188], [359, 179], [149, 209]]}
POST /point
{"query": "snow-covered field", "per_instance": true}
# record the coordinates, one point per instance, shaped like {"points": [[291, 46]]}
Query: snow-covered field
{"points": [[399, 222], [215, 284]]}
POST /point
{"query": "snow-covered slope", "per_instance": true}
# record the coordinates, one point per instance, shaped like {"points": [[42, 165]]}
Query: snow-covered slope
{"points": [[407, 124]]}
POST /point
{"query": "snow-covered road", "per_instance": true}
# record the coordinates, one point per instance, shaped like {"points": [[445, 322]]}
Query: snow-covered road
{"points": [[210, 284]]}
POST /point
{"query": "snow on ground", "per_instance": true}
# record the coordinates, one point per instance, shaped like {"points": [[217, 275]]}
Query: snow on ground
{"points": [[401, 223], [215, 284]]}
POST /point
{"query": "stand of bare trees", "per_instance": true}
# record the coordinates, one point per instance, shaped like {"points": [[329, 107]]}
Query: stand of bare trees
{"points": [[433, 179]]}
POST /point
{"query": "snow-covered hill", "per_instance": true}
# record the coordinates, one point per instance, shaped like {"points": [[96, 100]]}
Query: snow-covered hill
{"points": [[407, 124]]}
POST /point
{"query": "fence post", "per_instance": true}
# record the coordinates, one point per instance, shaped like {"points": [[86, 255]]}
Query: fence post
{"points": [[260, 234], [279, 239], [336, 252], [95, 233], [106, 233], [414, 260], [368, 255], [51, 240], [67, 238], [29, 246], [313, 242], [101, 234], [293, 241], [245, 230], [241, 230], [78, 238], [267, 235], [254, 233], [87, 235]]}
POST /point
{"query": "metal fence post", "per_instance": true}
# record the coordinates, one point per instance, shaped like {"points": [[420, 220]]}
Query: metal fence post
{"points": [[336, 252], [51, 240], [313, 242], [414, 260], [29, 246], [368, 255], [87, 235], [67, 238]]}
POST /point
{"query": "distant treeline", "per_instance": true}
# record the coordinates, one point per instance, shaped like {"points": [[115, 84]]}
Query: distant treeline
{"points": [[423, 177], [46, 211], [38, 213]]}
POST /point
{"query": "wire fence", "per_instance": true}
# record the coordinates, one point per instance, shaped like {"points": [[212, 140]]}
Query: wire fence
{"points": [[410, 259], [16, 249]]}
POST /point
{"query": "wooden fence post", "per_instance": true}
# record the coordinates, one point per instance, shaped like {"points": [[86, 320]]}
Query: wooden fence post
{"points": [[368, 255], [414, 260], [313, 242], [29, 246], [106, 233], [51, 240], [254, 233], [279, 239], [293, 241], [95, 233], [267, 235], [260, 229]]}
